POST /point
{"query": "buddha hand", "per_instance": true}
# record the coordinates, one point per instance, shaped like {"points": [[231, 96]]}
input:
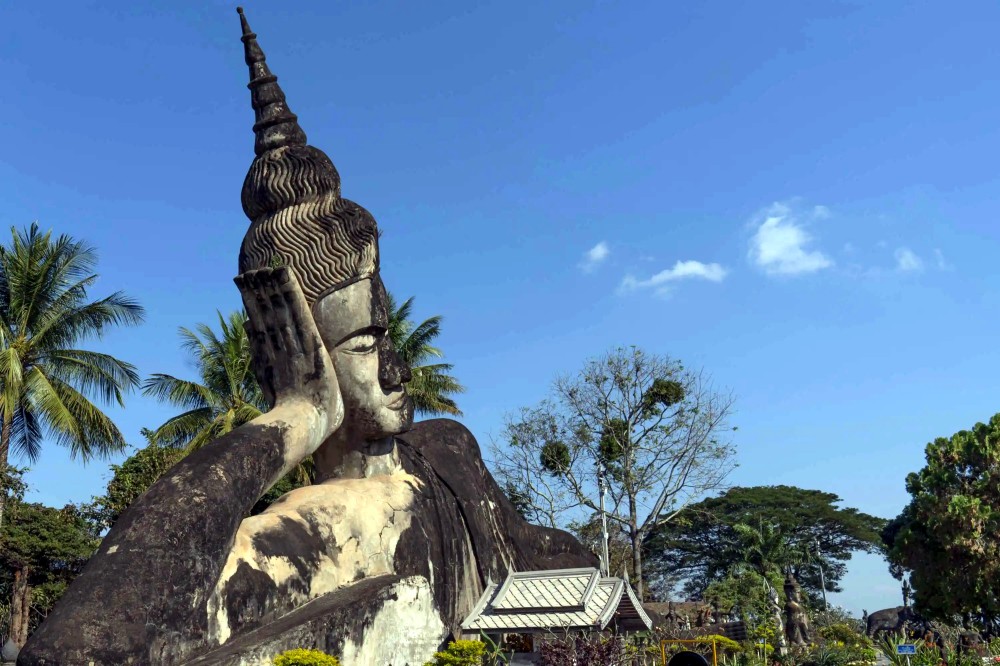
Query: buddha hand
{"points": [[290, 361]]}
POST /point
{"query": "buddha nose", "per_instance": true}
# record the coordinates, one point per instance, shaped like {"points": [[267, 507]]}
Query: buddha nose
{"points": [[392, 371]]}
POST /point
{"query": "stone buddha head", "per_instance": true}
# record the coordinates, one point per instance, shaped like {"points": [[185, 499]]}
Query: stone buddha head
{"points": [[298, 218]]}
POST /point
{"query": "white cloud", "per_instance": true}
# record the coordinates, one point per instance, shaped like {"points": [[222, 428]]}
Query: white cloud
{"points": [[941, 263], [682, 270], [779, 246], [595, 256], [907, 261]]}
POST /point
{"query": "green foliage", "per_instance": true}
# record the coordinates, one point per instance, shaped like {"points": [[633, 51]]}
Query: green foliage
{"points": [[46, 382], [843, 633], [703, 544], [554, 457], [948, 536], [746, 589], [460, 653], [847, 644], [301, 657], [50, 546], [662, 394], [49, 542], [431, 387], [613, 443], [722, 644], [227, 395]]}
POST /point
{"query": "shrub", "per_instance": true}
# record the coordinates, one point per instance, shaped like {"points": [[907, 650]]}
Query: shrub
{"points": [[722, 644], [844, 633], [585, 649], [460, 653], [305, 658]]}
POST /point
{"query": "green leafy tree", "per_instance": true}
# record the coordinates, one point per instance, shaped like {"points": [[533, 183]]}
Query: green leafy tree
{"points": [[431, 386], [703, 545], [44, 549], [227, 395], [47, 383], [948, 536], [655, 432]]}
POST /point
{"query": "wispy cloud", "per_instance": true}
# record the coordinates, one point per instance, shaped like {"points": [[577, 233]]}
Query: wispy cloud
{"points": [[594, 257], [780, 244], [907, 261], [941, 263], [682, 270]]}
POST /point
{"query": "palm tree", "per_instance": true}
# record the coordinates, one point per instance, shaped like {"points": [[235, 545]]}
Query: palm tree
{"points": [[766, 549], [226, 397], [430, 387], [46, 382]]}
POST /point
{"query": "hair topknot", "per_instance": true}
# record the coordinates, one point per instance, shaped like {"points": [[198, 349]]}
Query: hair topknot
{"points": [[292, 196]]}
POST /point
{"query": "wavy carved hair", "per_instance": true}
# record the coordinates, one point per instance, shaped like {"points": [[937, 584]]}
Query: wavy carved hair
{"points": [[292, 196]]}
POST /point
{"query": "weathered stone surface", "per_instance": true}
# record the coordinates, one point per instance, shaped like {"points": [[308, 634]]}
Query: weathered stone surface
{"points": [[381, 560], [394, 607]]}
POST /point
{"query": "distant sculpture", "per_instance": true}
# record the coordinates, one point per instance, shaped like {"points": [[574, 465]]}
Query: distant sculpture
{"points": [[892, 620], [378, 562], [775, 604], [906, 592], [796, 622]]}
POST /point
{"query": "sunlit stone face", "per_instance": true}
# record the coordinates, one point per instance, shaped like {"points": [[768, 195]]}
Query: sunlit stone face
{"points": [[353, 323]]}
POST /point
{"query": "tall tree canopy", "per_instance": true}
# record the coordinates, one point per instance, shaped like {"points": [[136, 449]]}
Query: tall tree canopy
{"points": [[705, 542], [655, 432], [431, 386], [948, 536], [227, 395], [42, 550], [47, 383]]}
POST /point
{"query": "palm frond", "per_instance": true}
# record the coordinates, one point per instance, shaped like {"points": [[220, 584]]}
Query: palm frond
{"points": [[92, 372], [72, 420], [181, 429], [179, 392]]}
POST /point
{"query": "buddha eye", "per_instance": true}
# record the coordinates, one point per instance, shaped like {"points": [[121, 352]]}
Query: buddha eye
{"points": [[360, 344]]}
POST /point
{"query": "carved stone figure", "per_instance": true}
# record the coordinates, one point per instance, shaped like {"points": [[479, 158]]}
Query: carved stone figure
{"points": [[893, 620], [378, 562], [775, 605], [796, 622]]}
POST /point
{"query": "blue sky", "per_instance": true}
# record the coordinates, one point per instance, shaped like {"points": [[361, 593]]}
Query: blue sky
{"points": [[799, 197]]}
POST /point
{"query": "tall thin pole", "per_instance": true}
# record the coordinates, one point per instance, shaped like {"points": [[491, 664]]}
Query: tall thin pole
{"points": [[602, 489]]}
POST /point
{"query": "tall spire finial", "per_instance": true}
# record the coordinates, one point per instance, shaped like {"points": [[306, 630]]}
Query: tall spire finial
{"points": [[275, 125]]}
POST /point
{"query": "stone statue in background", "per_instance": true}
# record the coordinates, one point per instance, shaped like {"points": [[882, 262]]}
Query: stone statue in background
{"points": [[378, 562], [796, 621]]}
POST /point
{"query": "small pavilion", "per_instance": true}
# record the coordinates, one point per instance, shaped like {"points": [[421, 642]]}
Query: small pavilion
{"points": [[556, 602]]}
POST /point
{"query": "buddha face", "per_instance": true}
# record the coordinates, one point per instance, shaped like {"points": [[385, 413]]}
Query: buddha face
{"points": [[353, 323]]}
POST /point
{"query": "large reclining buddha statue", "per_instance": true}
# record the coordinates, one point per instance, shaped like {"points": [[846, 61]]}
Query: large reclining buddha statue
{"points": [[382, 558]]}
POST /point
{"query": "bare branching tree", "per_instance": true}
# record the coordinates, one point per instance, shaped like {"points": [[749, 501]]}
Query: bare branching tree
{"points": [[658, 433]]}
